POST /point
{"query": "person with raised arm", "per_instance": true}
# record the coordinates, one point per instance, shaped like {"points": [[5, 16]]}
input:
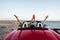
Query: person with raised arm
{"points": [[33, 22], [20, 22], [45, 21], [45, 18]]}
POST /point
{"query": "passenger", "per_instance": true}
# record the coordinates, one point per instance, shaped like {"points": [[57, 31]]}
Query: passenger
{"points": [[21, 23], [25, 25], [33, 23], [39, 24]]}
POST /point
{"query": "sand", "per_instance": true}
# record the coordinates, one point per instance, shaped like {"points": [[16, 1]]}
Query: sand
{"points": [[6, 27]]}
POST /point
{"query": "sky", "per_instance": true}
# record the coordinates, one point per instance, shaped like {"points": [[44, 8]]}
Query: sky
{"points": [[24, 9]]}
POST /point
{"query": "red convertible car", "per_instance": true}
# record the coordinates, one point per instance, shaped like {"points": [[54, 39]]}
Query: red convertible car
{"points": [[33, 33]]}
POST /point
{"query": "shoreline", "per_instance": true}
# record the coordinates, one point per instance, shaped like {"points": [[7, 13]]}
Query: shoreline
{"points": [[6, 27]]}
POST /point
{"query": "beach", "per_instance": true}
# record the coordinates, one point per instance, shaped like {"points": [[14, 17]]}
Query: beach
{"points": [[6, 27]]}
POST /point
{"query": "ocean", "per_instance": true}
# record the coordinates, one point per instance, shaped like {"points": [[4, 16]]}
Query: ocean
{"points": [[53, 24]]}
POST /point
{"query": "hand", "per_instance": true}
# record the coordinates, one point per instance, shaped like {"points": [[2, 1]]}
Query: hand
{"points": [[15, 16], [33, 16], [46, 17]]}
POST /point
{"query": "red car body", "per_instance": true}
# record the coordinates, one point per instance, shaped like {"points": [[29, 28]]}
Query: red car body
{"points": [[33, 35]]}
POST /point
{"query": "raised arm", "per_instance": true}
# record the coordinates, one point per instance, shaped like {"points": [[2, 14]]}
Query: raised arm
{"points": [[44, 21], [32, 20], [20, 22], [45, 18]]}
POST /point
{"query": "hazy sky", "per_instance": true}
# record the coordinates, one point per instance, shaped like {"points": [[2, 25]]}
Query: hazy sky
{"points": [[24, 9]]}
